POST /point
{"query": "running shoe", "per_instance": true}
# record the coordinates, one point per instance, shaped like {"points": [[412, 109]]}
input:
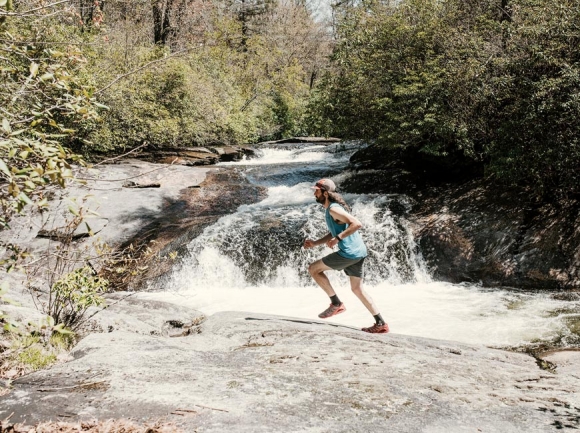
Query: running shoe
{"points": [[333, 310], [377, 329]]}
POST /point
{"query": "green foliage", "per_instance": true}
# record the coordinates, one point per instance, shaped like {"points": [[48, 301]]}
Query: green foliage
{"points": [[35, 357], [72, 295], [494, 82], [220, 92], [34, 347], [538, 138], [44, 99], [182, 102]]}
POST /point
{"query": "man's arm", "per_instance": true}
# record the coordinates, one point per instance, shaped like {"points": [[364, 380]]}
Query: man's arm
{"points": [[309, 243], [342, 216]]}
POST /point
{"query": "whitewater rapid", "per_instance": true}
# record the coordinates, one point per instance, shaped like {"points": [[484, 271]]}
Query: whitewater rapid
{"points": [[215, 275]]}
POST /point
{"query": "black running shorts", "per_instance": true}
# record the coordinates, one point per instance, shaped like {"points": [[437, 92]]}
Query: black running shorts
{"points": [[351, 267]]}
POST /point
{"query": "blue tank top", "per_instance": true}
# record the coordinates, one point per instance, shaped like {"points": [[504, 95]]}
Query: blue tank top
{"points": [[351, 247]]}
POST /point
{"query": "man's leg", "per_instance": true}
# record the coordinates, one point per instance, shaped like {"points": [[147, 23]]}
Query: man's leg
{"points": [[380, 326], [317, 269], [357, 289]]}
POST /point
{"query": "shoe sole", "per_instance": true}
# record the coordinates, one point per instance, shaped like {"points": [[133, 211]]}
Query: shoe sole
{"points": [[379, 332], [333, 314]]}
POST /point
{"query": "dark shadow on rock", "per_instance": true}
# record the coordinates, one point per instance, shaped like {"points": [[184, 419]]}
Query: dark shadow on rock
{"points": [[470, 229], [304, 322]]}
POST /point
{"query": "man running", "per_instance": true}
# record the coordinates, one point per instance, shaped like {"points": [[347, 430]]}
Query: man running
{"points": [[343, 231]]}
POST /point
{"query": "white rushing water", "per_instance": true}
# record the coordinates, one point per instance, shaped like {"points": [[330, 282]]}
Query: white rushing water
{"points": [[252, 261]]}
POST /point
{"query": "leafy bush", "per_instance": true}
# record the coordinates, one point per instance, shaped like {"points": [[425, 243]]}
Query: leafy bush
{"points": [[73, 294], [35, 357], [495, 82], [44, 98], [32, 347]]}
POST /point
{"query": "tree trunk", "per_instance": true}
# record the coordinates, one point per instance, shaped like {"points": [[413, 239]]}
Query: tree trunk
{"points": [[161, 21]]}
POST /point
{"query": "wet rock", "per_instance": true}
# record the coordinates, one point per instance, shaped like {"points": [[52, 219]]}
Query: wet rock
{"points": [[478, 232], [471, 230], [183, 218], [131, 184], [197, 156], [312, 140]]}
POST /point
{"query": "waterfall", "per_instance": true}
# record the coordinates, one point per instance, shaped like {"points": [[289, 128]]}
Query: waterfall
{"points": [[253, 260]]}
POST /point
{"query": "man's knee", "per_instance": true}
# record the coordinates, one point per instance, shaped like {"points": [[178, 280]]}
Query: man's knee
{"points": [[356, 285], [314, 269]]}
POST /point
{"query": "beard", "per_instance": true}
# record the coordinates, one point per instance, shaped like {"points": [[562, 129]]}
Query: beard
{"points": [[320, 199]]}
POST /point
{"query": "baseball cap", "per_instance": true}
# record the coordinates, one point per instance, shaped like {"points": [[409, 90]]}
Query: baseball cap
{"points": [[325, 185]]}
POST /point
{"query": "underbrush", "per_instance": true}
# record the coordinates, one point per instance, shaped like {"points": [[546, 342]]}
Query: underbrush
{"points": [[33, 348]]}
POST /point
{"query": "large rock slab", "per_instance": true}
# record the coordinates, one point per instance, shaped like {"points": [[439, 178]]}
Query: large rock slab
{"points": [[255, 373], [125, 311], [119, 212], [470, 229]]}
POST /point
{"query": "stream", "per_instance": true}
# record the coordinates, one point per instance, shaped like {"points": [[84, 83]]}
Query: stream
{"points": [[253, 260]]}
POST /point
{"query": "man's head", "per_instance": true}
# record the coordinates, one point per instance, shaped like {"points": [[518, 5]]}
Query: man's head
{"points": [[322, 188], [325, 185], [325, 193]]}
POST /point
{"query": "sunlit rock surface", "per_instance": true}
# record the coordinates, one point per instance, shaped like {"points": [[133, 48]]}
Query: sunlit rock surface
{"points": [[247, 372], [251, 373]]}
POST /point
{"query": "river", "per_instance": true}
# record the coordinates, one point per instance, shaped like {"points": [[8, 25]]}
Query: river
{"points": [[253, 261]]}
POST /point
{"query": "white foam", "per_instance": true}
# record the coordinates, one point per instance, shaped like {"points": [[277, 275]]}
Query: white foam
{"points": [[434, 310], [403, 291], [282, 156]]}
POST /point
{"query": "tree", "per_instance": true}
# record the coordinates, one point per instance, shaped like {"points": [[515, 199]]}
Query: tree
{"points": [[493, 83], [44, 98]]}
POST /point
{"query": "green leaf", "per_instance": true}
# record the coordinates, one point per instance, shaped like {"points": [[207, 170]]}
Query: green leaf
{"points": [[6, 125], [62, 330], [10, 326], [33, 69], [4, 168], [24, 198], [49, 320]]}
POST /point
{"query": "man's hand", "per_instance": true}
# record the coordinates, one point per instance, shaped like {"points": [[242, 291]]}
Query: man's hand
{"points": [[308, 243], [332, 242]]}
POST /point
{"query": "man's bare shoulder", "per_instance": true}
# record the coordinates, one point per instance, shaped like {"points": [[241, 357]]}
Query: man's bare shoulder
{"points": [[339, 213]]}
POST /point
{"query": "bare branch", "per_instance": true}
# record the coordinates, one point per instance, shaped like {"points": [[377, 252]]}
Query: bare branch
{"points": [[146, 65], [12, 14], [123, 155]]}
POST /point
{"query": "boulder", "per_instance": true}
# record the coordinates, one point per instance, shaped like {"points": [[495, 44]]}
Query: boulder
{"points": [[470, 229]]}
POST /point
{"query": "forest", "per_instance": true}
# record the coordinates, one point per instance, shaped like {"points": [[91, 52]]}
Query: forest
{"points": [[491, 84]]}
